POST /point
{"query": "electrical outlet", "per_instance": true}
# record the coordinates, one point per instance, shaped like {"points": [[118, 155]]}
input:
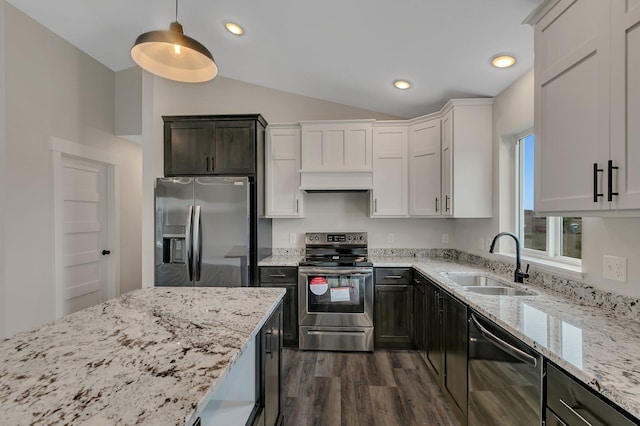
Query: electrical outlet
{"points": [[481, 245], [390, 237], [615, 268], [292, 238], [445, 238]]}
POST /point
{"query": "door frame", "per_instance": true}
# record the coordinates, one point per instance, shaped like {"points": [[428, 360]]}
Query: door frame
{"points": [[59, 148]]}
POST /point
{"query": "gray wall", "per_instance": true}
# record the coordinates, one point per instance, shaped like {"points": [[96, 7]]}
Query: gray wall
{"points": [[53, 89], [2, 168]]}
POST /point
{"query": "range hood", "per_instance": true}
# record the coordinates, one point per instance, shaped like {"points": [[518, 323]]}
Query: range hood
{"points": [[336, 181]]}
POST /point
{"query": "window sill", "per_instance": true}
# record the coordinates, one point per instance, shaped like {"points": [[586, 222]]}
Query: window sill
{"points": [[559, 269]]}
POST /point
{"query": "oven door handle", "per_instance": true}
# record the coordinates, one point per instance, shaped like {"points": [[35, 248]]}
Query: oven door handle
{"points": [[506, 347], [330, 271], [330, 332]]}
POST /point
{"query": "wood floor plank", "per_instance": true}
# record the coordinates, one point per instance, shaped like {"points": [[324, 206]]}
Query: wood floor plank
{"points": [[325, 402], [387, 406], [386, 388]]}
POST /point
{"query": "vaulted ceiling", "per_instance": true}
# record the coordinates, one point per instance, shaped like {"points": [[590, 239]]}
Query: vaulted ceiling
{"points": [[346, 51]]}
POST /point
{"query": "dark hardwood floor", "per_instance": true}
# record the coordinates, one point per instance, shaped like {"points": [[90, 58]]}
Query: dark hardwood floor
{"points": [[387, 387]]}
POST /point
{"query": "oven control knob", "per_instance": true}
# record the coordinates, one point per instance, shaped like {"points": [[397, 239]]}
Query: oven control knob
{"points": [[361, 237], [350, 238], [316, 237]]}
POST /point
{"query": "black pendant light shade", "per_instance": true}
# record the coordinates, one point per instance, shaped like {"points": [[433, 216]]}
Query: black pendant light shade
{"points": [[173, 55]]}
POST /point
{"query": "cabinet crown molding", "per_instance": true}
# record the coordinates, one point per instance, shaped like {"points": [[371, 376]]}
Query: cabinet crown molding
{"points": [[539, 12]]}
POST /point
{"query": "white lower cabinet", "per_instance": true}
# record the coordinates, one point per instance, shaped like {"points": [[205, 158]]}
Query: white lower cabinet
{"points": [[424, 168], [389, 197], [282, 178]]}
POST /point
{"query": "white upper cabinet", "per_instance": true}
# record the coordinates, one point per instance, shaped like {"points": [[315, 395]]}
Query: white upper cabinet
{"points": [[389, 197], [337, 154], [424, 168], [282, 178], [587, 98], [466, 155], [625, 104]]}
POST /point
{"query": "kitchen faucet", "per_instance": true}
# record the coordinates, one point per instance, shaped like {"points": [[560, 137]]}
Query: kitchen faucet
{"points": [[518, 275]]}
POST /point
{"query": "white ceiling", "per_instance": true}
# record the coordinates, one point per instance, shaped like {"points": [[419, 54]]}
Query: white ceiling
{"points": [[346, 51]]}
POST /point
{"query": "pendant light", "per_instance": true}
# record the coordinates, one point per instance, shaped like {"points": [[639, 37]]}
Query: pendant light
{"points": [[173, 55]]}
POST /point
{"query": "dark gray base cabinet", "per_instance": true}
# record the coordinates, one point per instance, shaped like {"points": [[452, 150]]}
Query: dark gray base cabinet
{"points": [[393, 308], [271, 369], [445, 350], [287, 278]]}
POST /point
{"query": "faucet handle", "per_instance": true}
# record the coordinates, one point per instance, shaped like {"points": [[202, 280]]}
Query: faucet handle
{"points": [[525, 274]]}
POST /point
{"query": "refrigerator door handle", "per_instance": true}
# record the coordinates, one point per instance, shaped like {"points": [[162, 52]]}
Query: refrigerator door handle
{"points": [[197, 243], [188, 243]]}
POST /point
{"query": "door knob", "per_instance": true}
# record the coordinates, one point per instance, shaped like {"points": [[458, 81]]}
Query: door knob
{"points": [[106, 252]]}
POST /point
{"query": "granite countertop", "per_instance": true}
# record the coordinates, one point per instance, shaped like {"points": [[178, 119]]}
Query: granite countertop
{"points": [[596, 345], [151, 356]]}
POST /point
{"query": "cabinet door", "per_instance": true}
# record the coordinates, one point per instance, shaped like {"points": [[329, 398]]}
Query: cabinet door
{"points": [[424, 169], [234, 147], [447, 164], [272, 352], [433, 340], [419, 315], [186, 148], [625, 104], [283, 173], [390, 175], [572, 106], [455, 352], [337, 146], [393, 322]]}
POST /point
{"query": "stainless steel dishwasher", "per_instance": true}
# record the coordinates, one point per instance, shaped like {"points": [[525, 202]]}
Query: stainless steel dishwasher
{"points": [[505, 377]]}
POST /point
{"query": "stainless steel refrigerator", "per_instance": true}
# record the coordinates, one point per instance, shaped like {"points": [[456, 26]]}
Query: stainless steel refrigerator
{"points": [[206, 231]]}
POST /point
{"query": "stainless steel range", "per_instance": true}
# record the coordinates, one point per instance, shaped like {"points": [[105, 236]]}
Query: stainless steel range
{"points": [[336, 293]]}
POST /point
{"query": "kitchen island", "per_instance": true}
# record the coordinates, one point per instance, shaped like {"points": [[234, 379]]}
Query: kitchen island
{"points": [[152, 356]]}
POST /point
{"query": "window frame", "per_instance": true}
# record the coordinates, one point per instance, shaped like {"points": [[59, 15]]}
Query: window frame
{"points": [[553, 250]]}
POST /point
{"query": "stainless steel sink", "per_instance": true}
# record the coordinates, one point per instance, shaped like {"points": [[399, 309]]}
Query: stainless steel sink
{"points": [[473, 280], [500, 291], [485, 284]]}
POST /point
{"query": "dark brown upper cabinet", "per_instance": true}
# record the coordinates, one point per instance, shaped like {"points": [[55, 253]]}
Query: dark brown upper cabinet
{"points": [[212, 144]]}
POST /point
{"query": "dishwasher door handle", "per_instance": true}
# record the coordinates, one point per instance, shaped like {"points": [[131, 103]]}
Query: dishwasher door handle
{"points": [[501, 344]]}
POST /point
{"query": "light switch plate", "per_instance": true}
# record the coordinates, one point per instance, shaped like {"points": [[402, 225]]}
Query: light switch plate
{"points": [[615, 268], [292, 238], [445, 238]]}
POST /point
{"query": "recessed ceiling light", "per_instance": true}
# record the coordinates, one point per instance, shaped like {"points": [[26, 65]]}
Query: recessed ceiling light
{"points": [[234, 28], [402, 84], [503, 61]]}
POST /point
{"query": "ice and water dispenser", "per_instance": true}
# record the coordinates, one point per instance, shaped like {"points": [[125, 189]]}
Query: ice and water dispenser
{"points": [[173, 244]]}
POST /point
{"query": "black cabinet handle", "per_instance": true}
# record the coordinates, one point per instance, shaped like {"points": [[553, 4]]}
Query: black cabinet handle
{"points": [[106, 252], [610, 169], [446, 203], [206, 164], [436, 204], [596, 194], [268, 348], [278, 275]]}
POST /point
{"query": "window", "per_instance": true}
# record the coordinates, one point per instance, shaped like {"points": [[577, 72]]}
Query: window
{"points": [[556, 237]]}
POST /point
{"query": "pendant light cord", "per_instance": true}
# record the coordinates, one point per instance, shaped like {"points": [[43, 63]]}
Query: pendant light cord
{"points": [[176, 10]]}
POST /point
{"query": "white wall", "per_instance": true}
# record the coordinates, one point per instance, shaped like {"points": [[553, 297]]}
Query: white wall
{"points": [[53, 89], [218, 96], [2, 171], [327, 212]]}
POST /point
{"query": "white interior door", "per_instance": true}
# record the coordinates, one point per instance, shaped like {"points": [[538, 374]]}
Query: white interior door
{"points": [[84, 234]]}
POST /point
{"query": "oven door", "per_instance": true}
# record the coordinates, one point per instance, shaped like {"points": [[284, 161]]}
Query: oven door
{"points": [[337, 296]]}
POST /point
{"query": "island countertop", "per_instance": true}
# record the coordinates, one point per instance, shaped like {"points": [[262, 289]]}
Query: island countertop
{"points": [[148, 357]]}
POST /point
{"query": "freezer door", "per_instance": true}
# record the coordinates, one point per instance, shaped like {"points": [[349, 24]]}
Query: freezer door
{"points": [[173, 222], [221, 240]]}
